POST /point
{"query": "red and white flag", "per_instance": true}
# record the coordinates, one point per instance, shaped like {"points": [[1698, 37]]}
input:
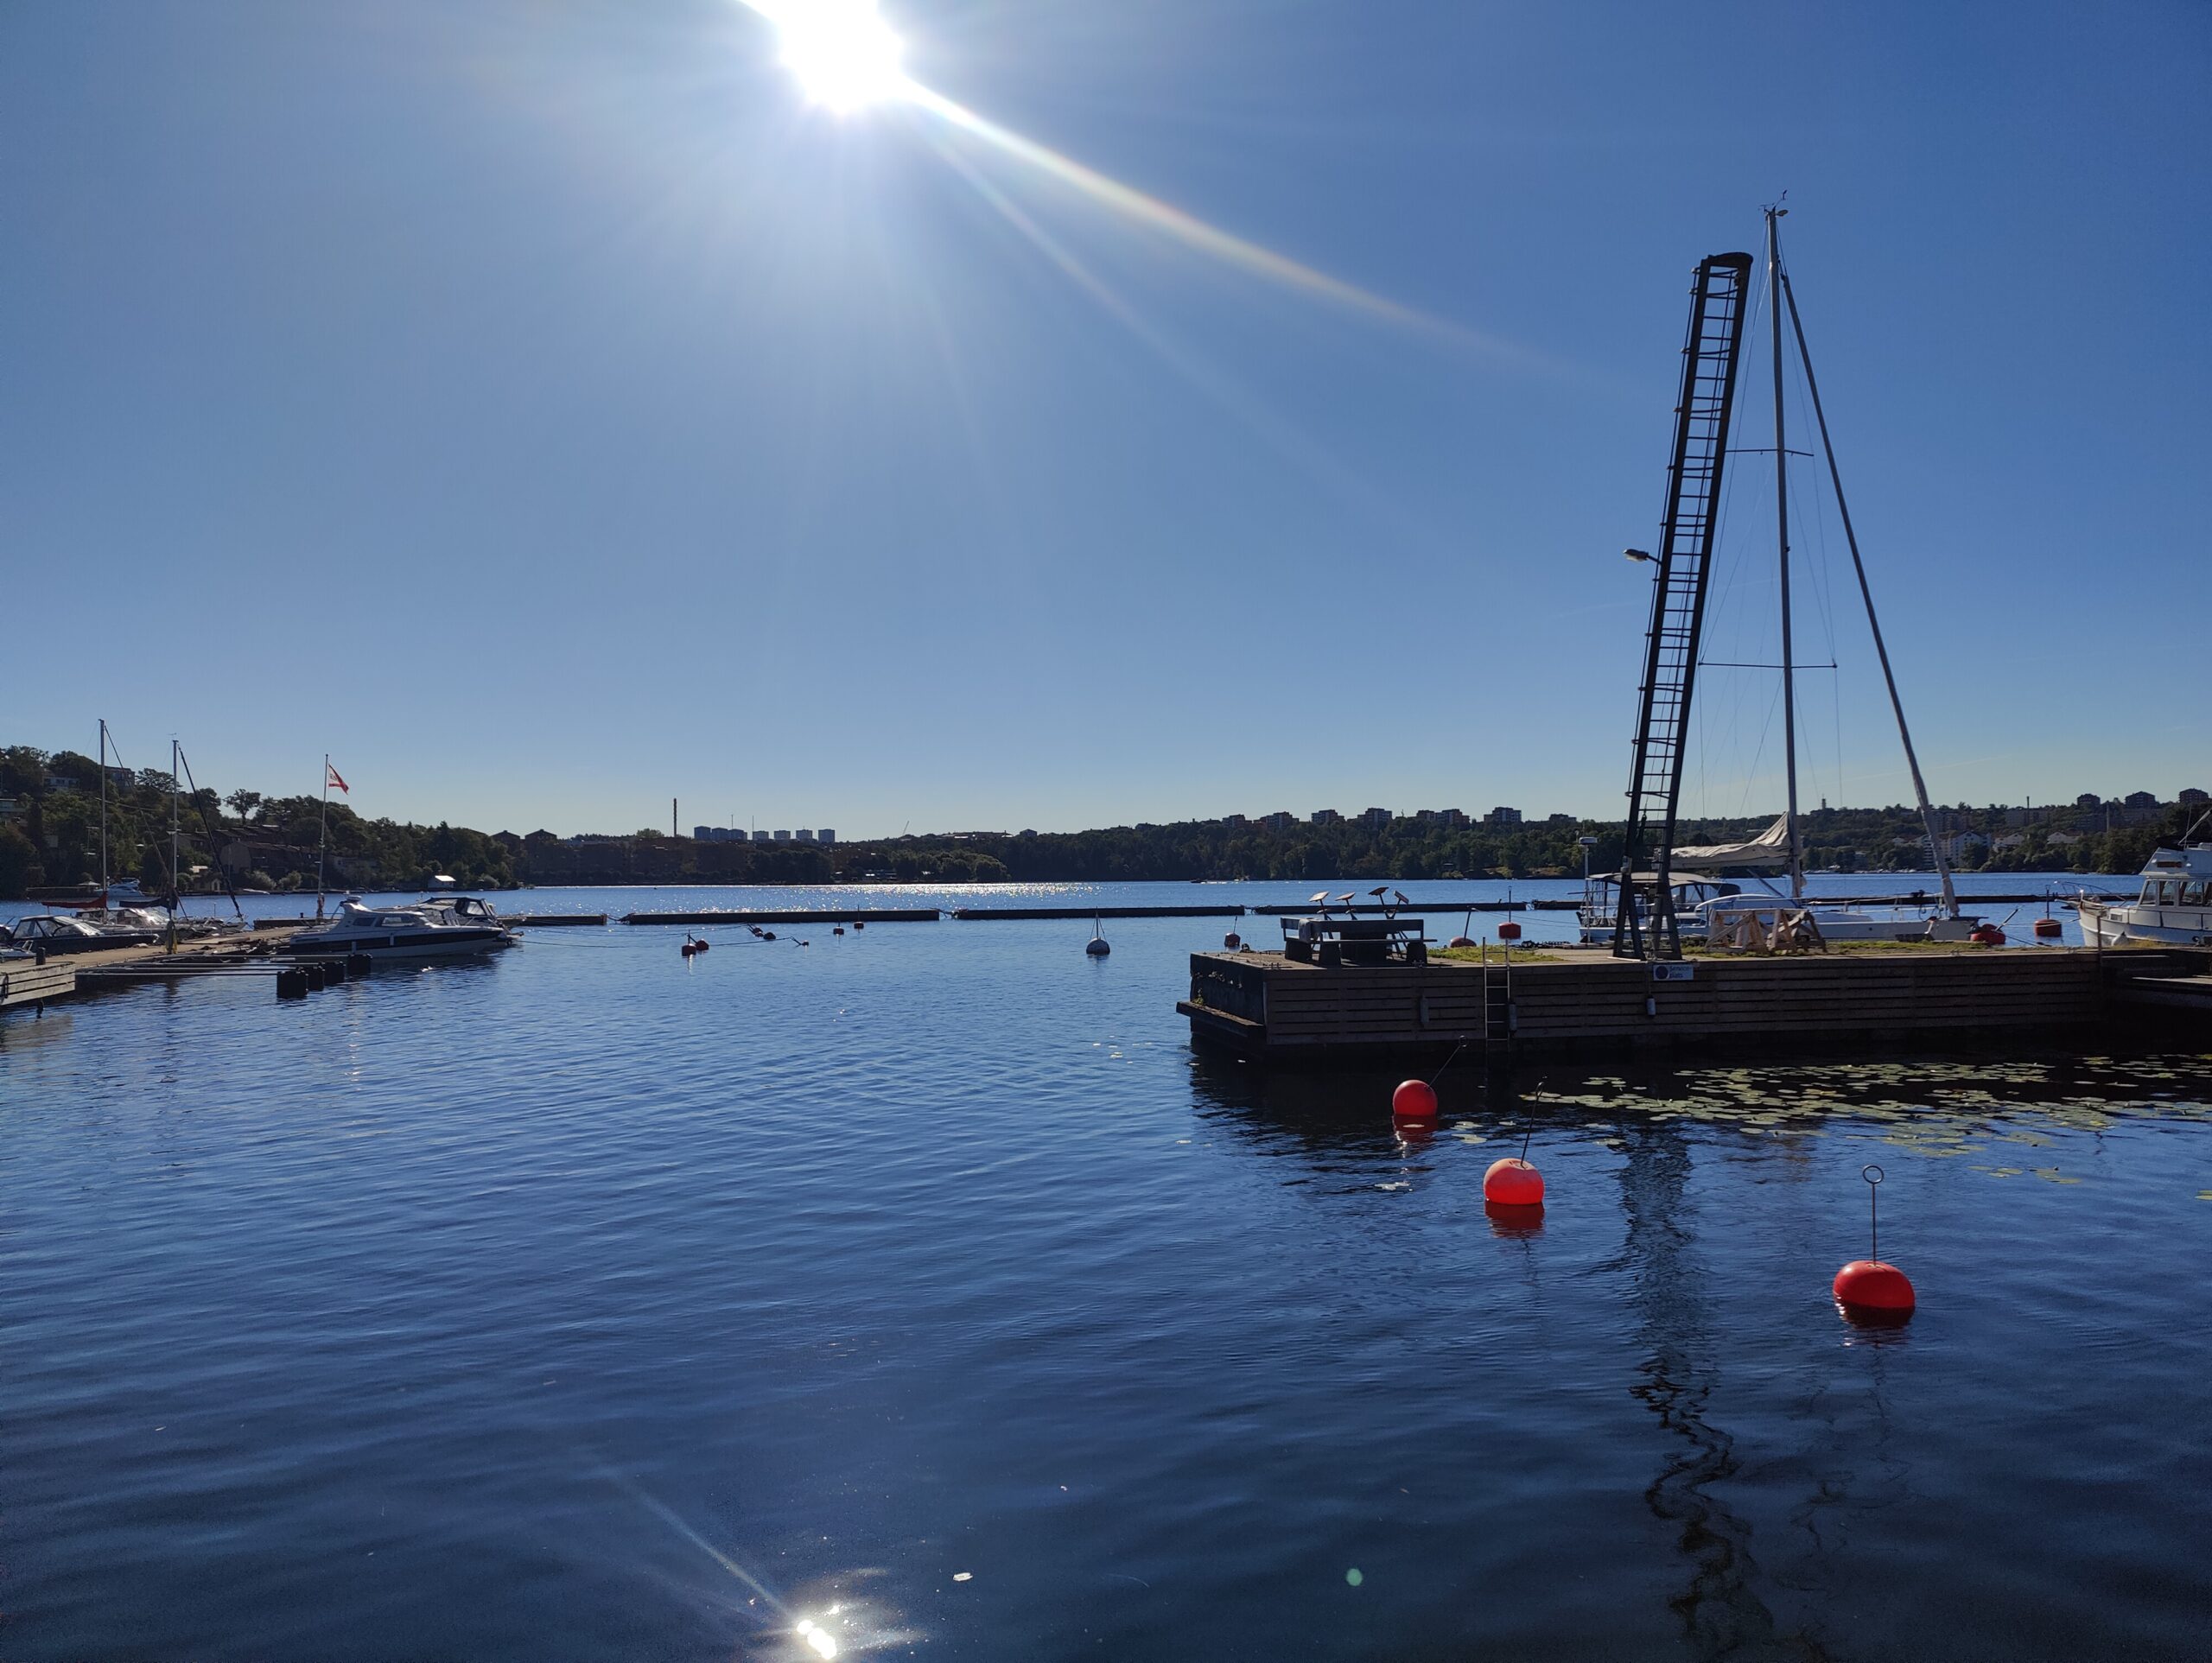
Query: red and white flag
{"points": [[331, 777]]}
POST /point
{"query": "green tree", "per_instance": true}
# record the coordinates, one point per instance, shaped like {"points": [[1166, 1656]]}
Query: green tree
{"points": [[18, 857]]}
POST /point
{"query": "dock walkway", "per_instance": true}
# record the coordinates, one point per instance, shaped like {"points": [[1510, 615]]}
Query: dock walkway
{"points": [[85, 973]]}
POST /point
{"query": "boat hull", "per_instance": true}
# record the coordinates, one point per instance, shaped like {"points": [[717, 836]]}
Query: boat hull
{"points": [[442, 944], [2116, 926], [58, 946]]}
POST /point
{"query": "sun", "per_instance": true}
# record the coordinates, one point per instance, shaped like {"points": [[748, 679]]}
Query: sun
{"points": [[843, 54]]}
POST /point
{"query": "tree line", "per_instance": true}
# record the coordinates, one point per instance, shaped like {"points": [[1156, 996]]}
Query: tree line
{"points": [[257, 841]]}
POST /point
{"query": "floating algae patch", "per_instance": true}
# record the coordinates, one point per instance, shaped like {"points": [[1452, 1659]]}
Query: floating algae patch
{"points": [[1941, 1107]]}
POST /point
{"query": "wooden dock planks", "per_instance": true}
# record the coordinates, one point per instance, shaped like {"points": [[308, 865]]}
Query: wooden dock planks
{"points": [[22, 982]]}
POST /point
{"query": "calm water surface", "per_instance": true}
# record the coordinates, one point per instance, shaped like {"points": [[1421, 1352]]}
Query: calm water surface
{"points": [[921, 1284]]}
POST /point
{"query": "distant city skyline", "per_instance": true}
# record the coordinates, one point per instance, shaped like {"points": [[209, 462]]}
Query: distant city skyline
{"points": [[1195, 410]]}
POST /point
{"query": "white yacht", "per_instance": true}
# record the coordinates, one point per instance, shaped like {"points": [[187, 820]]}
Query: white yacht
{"points": [[2175, 909], [443, 926]]}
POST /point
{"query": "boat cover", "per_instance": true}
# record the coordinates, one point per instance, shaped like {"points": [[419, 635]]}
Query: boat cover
{"points": [[1771, 849]]}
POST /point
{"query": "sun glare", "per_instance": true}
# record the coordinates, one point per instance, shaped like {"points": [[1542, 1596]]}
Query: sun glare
{"points": [[843, 54]]}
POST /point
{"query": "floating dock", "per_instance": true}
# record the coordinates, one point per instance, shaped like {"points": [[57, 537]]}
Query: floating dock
{"points": [[1574, 1003], [1303, 909], [814, 914], [550, 920], [1224, 909], [22, 982]]}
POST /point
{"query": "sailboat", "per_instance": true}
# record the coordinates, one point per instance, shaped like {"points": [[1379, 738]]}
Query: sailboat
{"points": [[1780, 848], [1655, 909]]}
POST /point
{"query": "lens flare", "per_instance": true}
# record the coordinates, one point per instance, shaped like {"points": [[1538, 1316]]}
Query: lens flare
{"points": [[847, 58], [842, 52]]}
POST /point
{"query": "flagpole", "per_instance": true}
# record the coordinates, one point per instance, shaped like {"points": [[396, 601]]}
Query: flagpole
{"points": [[323, 841]]}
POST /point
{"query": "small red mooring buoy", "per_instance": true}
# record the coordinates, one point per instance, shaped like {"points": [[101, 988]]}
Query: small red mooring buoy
{"points": [[1231, 942], [1509, 930], [1987, 934], [1461, 941], [1868, 1287], [1414, 1100], [2048, 927], [1870, 1284], [1513, 1183]]}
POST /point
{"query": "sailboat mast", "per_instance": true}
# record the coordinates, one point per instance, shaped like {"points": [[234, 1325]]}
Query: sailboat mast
{"points": [[1866, 593], [323, 837], [176, 873], [1782, 549], [102, 811]]}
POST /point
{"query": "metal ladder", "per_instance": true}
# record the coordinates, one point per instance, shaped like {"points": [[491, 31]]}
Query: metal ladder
{"points": [[1497, 1005], [1710, 357]]}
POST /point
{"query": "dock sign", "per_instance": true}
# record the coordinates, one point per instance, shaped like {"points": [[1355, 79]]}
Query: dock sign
{"points": [[1684, 972]]}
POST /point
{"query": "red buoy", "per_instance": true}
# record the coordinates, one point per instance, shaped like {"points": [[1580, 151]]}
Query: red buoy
{"points": [[1868, 1289], [701, 946], [1513, 1183], [1988, 935], [2050, 927], [1509, 930], [1230, 941], [1870, 1284], [1461, 941], [1413, 1099]]}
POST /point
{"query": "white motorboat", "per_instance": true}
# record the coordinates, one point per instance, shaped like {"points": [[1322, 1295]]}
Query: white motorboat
{"points": [[2174, 910], [444, 926]]}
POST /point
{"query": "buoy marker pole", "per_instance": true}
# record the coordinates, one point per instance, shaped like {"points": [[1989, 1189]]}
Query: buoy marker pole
{"points": [[1867, 1289]]}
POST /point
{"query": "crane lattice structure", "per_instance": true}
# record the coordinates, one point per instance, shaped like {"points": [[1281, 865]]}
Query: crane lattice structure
{"points": [[1645, 926]]}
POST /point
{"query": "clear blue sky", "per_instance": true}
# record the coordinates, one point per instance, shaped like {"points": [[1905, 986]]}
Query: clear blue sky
{"points": [[545, 411]]}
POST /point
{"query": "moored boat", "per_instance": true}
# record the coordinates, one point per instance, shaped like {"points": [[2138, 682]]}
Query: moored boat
{"points": [[444, 926], [2174, 910], [111, 898], [1600, 913], [51, 933]]}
